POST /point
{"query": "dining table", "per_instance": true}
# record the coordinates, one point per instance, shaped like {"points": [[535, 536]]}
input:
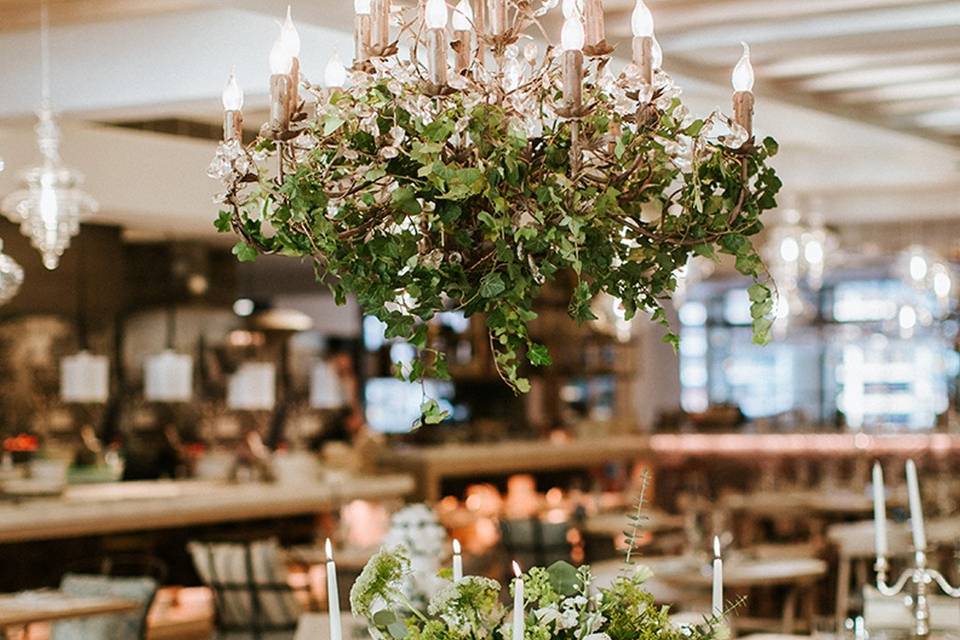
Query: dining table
{"points": [[18, 610], [687, 578]]}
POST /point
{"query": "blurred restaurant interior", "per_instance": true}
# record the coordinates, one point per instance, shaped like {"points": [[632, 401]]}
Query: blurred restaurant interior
{"points": [[185, 423]]}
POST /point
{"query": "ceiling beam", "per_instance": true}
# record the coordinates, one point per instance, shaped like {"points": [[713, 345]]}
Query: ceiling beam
{"points": [[872, 23], [672, 16], [878, 77], [145, 65]]}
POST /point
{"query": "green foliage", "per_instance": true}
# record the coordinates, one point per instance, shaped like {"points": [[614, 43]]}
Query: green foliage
{"points": [[561, 602], [417, 205]]}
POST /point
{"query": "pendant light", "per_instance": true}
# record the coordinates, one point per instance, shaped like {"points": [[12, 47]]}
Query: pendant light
{"points": [[253, 387], [168, 375], [84, 376], [50, 204]]}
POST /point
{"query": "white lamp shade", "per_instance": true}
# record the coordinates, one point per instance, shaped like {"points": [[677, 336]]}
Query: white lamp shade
{"points": [[85, 377], [325, 389], [253, 387], [168, 377]]}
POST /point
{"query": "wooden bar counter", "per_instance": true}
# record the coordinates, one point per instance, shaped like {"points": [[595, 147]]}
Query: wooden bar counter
{"points": [[432, 464], [129, 507]]}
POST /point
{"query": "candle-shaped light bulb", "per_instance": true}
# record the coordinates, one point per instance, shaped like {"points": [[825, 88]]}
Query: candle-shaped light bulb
{"points": [[879, 511], [641, 21], [289, 36], [463, 16], [335, 74], [457, 561], [280, 59], [571, 8], [656, 53], [362, 7], [743, 73], [572, 35], [435, 14], [232, 95], [916, 508], [716, 547]]}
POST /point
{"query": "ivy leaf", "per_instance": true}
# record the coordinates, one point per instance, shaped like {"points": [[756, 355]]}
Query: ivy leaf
{"points": [[491, 285], [244, 252], [222, 223], [331, 123], [405, 199], [771, 146], [539, 356]]}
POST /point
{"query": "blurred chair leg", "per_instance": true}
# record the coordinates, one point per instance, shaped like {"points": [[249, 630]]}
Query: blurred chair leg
{"points": [[843, 588]]}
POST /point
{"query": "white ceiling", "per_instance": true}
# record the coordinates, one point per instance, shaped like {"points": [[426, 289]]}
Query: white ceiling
{"points": [[819, 62]]}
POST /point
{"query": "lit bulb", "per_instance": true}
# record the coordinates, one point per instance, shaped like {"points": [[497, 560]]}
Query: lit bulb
{"points": [[918, 267], [362, 7], [436, 14], [641, 21], [290, 37], [335, 74], [743, 72], [232, 94], [572, 8], [789, 250], [49, 205], [280, 59], [463, 16], [716, 546], [941, 283], [656, 54], [572, 36]]}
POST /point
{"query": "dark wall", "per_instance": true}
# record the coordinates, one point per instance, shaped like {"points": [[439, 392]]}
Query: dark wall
{"points": [[90, 277], [105, 278]]}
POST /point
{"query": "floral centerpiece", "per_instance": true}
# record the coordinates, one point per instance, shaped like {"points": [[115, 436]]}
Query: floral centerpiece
{"points": [[419, 190], [561, 602]]}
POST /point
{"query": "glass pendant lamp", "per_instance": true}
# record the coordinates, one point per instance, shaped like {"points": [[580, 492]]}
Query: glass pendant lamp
{"points": [[50, 204]]}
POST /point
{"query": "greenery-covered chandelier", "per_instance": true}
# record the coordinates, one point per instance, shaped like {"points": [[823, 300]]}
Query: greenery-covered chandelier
{"points": [[462, 168]]}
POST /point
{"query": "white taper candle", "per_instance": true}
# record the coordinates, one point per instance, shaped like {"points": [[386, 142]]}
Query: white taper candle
{"points": [[457, 561], [916, 508], [333, 594], [879, 511], [517, 603], [717, 604]]}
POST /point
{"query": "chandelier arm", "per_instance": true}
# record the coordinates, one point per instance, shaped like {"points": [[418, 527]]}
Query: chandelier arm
{"points": [[744, 185]]}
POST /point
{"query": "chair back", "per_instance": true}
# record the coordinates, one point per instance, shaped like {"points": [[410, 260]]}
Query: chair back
{"points": [[107, 627], [532, 542], [250, 589]]}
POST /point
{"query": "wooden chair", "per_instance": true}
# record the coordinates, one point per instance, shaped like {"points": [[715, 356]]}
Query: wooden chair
{"points": [[128, 625], [532, 542], [251, 595]]}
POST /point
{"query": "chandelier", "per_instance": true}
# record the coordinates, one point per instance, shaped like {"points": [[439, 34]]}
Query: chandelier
{"points": [[11, 277], [463, 160], [50, 205]]}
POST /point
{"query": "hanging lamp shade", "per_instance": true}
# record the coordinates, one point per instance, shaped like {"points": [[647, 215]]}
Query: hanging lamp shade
{"points": [[253, 387], [11, 277], [168, 377], [50, 204], [326, 392], [85, 378]]}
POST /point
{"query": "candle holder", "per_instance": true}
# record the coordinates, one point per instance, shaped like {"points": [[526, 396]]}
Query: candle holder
{"points": [[922, 578]]}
